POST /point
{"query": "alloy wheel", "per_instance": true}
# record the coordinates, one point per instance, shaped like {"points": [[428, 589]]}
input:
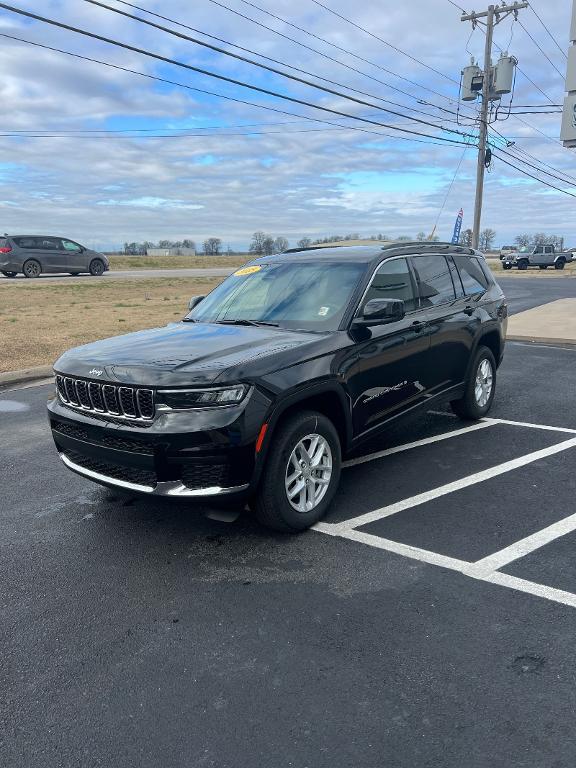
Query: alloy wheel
{"points": [[484, 383], [308, 473]]}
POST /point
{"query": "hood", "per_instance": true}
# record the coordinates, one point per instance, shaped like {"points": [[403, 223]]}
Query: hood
{"points": [[188, 354]]}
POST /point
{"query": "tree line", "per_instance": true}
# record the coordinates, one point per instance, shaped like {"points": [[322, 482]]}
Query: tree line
{"points": [[140, 249]]}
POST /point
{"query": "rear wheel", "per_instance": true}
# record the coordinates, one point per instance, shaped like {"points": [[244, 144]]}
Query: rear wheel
{"points": [[32, 268], [480, 388], [559, 264], [9, 274], [96, 267], [301, 475]]}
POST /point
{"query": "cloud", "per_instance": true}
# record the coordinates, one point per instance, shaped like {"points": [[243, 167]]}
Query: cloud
{"points": [[287, 175]]}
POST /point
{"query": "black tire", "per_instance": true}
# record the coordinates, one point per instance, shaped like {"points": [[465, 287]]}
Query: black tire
{"points": [[97, 267], [468, 407], [271, 505], [559, 264], [523, 264], [506, 266], [9, 274], [32, 268], [543, 266]]}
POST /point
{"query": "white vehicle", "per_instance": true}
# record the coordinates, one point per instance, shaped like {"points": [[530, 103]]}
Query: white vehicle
{"points": [[507, 250], [542, 256]]}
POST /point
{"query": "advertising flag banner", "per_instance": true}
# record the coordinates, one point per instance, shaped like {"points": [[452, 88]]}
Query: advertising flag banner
{"points": [[458, 226]]}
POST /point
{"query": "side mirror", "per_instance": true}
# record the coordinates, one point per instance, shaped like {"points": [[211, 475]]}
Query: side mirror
{"points": [[194, 301], [381, 311]]}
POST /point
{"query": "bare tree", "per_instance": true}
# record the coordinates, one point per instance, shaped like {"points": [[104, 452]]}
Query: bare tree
{"points": [[257, 244], [268, 245], [421, 236], [281, 245], [212, 246], [304, 242], [487, 237], [466, 238], [523, 240]]}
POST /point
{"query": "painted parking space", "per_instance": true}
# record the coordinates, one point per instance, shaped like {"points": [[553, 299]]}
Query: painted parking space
{"points": [[464, 524]]}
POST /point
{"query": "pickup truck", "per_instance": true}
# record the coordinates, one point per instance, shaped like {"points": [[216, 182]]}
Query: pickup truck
{"points": [[542, 256]]}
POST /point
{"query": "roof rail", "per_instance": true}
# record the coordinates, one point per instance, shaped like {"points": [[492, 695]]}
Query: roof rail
{"points": [[426, 245]]}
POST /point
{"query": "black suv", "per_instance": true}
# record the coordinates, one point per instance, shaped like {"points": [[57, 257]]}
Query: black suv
{"points": [[283, 369]]}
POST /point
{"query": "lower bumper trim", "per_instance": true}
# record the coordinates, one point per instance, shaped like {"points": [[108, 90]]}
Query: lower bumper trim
{"points": [[172, 488]]}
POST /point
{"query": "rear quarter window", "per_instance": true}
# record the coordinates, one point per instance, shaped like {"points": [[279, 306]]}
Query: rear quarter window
{"points": [[26, 242], [474, 279]]}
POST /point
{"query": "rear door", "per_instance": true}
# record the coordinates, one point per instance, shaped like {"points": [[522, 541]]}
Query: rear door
{"points": [[50, 254], [448, 314], [389, 371]]}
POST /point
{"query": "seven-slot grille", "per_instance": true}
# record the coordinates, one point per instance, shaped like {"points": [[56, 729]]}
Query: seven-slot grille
{"points": [[134, 403]]}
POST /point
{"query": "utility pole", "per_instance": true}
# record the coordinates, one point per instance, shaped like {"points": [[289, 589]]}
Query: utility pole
{"points": [[494, 15]]}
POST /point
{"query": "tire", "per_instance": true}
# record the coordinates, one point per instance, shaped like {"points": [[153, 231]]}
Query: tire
{"points": [[272, 504], [473, 405], [506, 266], [97, 267], [32, 268], [9, 274], [523, 264], [543, 266], [559, 264]]}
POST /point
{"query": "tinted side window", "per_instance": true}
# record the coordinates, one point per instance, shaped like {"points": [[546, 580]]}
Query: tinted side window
{"points": [[456, 279], [473, 278], [434, 280], [393, 281], [25, 242]]}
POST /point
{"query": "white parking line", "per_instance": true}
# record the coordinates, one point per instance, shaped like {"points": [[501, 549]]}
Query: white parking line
{"points": [[456, 485], [530, 587], [417, 443], [525, 546], [529, 425]]}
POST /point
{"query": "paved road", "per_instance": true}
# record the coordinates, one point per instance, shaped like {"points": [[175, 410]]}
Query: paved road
{"points": [[136, 633], [528, 292], [121, 275]]}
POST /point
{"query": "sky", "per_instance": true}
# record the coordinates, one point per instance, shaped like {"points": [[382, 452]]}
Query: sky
{"points": [[180, 163]]}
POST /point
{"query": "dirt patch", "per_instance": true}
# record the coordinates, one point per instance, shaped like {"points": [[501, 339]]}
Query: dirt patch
{"points": [[39, 322]]}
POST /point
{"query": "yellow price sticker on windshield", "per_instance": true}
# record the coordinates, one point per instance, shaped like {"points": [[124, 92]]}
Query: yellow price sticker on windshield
{"points": [[247, 271]]}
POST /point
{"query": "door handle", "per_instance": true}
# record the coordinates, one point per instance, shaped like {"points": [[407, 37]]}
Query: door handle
{"points": [[418, 326], [469, 311]]}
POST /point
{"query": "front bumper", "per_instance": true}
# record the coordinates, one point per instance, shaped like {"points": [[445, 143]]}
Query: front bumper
{"points": [[193, 454]]}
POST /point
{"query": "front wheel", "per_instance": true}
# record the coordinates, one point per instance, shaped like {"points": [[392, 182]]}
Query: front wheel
{"points": [[559, 264], [480, 388], [522, 265], [506, 266], [301, 475], [97, 267]]}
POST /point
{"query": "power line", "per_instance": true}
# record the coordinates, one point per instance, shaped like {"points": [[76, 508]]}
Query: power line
{"points": [[277, 61], [459, 7], [540, 170], [520, 170], [234, 81], [556, 43], [337, 61], [449, 189], [445, 142], [540, 49], [264, 66], [381, 40]]}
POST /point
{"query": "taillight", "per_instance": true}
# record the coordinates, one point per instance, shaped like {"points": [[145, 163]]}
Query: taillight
{"points": [[6, 249]]}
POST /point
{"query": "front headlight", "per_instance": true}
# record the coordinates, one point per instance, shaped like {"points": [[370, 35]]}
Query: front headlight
{"points": [[202, 398]]}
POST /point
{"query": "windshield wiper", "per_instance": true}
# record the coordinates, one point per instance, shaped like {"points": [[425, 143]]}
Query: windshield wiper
{"points": [[246, 322]]}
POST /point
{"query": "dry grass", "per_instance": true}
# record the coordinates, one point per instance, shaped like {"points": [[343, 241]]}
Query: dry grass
{"points": [[39, 322], [176, 262]]}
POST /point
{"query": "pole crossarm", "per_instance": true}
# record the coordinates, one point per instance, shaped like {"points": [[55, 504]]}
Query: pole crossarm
{"points": [[498, 10]]}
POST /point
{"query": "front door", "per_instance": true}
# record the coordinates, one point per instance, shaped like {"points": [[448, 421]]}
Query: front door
{"points": [[389, 373], [73, 257]]}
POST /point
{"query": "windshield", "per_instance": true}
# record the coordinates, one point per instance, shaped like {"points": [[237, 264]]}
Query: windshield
{"points": [[525, 249], [295, 295]]}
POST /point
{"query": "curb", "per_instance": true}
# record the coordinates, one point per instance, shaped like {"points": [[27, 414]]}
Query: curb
{"points": [[553, 342], [24, 376]]}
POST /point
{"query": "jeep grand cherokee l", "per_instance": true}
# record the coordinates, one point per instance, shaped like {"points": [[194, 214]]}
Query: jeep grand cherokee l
{"points": [[282, 370]]}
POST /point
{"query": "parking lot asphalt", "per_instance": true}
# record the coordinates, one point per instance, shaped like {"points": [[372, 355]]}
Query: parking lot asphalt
{"points": [[429, 621], [528, 292], [121, 274]]}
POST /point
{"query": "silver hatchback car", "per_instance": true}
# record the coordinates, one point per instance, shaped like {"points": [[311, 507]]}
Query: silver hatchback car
{"points": [[34, 254]]}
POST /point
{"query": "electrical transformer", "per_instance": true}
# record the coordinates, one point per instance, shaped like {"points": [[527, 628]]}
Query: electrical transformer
{"points": [[504, 74], [472, 78]]}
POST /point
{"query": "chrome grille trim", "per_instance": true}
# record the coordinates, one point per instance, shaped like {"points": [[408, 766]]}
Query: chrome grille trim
{"points": [[133, 403]]}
